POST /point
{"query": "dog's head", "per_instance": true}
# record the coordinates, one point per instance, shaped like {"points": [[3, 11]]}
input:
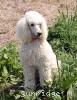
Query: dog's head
{"points": [[32, 27]]}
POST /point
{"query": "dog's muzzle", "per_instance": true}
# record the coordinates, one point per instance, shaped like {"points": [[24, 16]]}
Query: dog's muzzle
{"points": [[35, 37], [39, 33]]}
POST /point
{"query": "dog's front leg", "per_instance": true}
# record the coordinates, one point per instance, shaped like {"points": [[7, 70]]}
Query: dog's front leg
{"points": [[45, 75], [29, 77]]}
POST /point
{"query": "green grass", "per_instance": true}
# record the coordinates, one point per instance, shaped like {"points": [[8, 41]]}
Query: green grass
{"points": [[63, 39]]}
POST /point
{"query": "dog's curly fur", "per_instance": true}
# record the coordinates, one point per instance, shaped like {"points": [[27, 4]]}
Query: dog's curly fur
{"points": [[35, 54]]}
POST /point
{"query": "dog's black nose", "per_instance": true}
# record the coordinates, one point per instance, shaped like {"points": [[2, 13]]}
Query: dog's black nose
{"points": [[39, 33]]}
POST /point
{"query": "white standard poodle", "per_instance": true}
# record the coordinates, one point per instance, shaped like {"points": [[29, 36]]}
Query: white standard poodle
{"points": [[35, 54]]}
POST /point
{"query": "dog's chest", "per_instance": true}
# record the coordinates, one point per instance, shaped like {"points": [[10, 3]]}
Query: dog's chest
{"points": [[34, 49], [35, 52]]}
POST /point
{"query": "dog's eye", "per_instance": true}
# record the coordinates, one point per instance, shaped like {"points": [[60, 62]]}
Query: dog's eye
{"points": [[39, 24], [32, 24]]}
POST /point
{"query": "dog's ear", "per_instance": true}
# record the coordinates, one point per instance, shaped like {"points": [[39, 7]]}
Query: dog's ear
{"points": [[44, 29], [22, 30]]}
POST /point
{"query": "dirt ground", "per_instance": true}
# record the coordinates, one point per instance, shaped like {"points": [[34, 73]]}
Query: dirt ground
{"points": [[12, 10]]}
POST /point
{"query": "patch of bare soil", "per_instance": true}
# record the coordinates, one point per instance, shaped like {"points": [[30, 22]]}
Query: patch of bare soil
{"points": [[12, 10]]}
